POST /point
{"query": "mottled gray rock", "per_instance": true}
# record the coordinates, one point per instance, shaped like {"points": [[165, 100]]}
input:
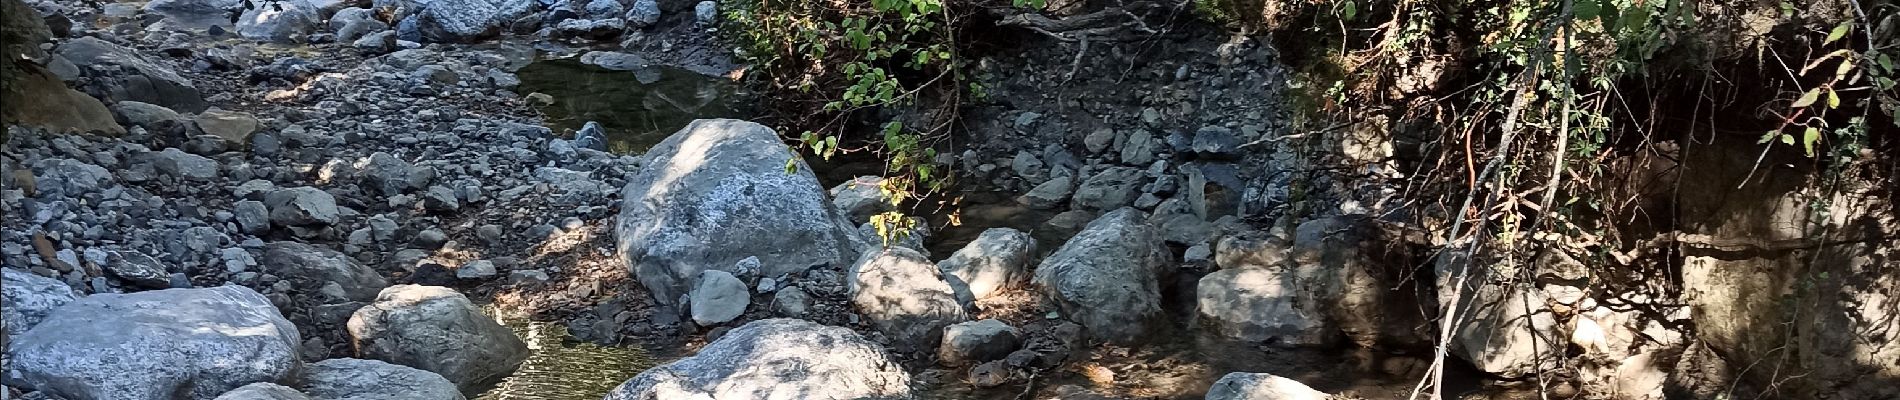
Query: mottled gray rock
{"points": [[860, 198], [1107, 277], [138, 269], [978, 341], [599, 9], [392, 176], [124, 74], [234, 127], [1139, 148], [162, 344], [717, 192], [187, 166], [1256, 304], [152, 117], [1215, 140], [252, 217], [718, 297], [1050, 194], [1109, 189], [61, 177], [302, 206], [281, 21], [29, 298], [791, 302], [997, 260], [357, 379], [706, 13], [467, 20], [440, 199], [1261, 386], [902, 294], [311, 267], [777, 359], [643, 13], [438, 330], [478, 269], [263, 391]]}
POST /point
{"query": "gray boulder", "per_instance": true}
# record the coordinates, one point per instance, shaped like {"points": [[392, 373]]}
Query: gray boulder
{"points": [[302, 206], [438, 330], [392, 176], [904, 296], [997, 260], [1107, 277], [643, 13], [263, 391], [861, 198], [978, 341], [1112, 188], [310, 267], [138, 269], [163, 344], [185, 166], [356, 379], [150, 116], [29, 298], [718, 298], [120, 73], [1255, 304], [60, 177], [280, 21], [232, 126], [466, 20], [1050, 194], [717, 192], [779, 359], [1261, 386]]}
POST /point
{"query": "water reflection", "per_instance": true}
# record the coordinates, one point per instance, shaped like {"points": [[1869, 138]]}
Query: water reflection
{"points": [[639, 107], [564, 368]]}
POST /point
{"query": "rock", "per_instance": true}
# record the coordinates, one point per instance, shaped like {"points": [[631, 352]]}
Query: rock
{"points": [[1238, 252], [860, 198], [280, 21], [1258, 304], [598, 29], [393, 176], [1261, 386], [467, 20], [29, 298], [263, 391], [1107, 277], [1342, 250], [1139, 149], [904, 296], [791, 302], [302, 206], [438, 330], [376, 42], [1027, 166], [1050, 194], [122, 74], [977, 341], [234, 127], [644, 13], [162, 344], [615, 61], [997, 260], [59, 177], [184, 165], [591, 135], [252, 217], [309, 267], [1215, 140], [356, 379], [349, 15], [776, 359], [717, 192], [599, 9], [478, 269], [440, 199], [706, 13], [152, 117], [1098, 140], [138, 269], [1110, 189], [718, 298]]}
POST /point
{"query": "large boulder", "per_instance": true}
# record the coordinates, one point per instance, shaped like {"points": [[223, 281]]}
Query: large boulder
{"points": [[119, 73], [281, 21], [718, 192], [355, 379], [29, 298], [1107, 277], [461, 20], [997, 260], [1264, 303], [1506, 329], [302, 206], [1112, 188], [1261, 386], [263, 391], [978, 341], [905, 296], [164, 344], [776, 359], [438, 330]]}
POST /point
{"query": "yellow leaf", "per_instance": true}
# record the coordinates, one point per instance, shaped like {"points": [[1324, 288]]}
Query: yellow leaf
{"points": [[1833, 99], [1808, 98]]}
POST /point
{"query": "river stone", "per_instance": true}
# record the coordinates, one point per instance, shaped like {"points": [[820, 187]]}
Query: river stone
{"points": [[718, 298], [152, 117], [391, 176], [234, 127], [263, 391], [302, 206], [717, 192], [643, 13], [139, 269], [357, 379], [1258, 304], [997, 260], [186, 166], [904, 296], [861, 198], [1050, 194], [29, 298], [280, 21], [436, 329], [1107, 277], [162, 344], [122, 74], [310, 267], [791, 302], [1261, 386], [1112, 188], [60, 177], [978, 341], [466, 20], [776, 359]]}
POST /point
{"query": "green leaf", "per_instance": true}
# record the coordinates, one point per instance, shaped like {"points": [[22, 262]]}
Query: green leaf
{"points": [[1768, 137], [791, 166], [1787, 139], [1808, 98], [1349, 10], [1586, 9], [1840, 31], [1833, 99], [1809, 137], [1886, 63]]}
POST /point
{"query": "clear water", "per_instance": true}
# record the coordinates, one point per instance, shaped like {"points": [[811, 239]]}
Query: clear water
{"points": [[564, 368], [637, 108]]}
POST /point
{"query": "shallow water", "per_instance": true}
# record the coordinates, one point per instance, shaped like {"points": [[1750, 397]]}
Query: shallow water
{"points": [[637, 108], [564, 368]]}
